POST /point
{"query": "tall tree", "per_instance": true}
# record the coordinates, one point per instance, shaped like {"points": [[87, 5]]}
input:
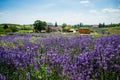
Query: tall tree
{"points": [[100, 25], [39, 25], [81, 24], [5, 26], [103, 25], [56, 24], [63, 26]]}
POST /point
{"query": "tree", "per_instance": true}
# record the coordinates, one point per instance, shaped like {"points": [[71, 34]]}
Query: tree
{"points": [[2, 30], [14, 28], [63, 26], [5, 26], [81, 24], [39, 25], [100, 25], [56, 24], [103, 25], [68, 28], [8, 30]]}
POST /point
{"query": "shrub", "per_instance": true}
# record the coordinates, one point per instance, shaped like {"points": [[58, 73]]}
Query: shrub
{"points": [[8, 30]]}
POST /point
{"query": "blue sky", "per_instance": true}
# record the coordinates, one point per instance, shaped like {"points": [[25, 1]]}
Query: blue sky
{"points": [[60, 11]]}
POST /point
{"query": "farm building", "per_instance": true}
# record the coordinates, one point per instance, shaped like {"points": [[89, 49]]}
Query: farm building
{"points": [[54, 28], [94, 26]]}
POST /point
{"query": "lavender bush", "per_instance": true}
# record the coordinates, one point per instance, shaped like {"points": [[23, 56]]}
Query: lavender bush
{"points": [[59, 58]]}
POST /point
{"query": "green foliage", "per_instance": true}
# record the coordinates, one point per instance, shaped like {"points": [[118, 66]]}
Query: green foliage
{"points": [[23, 31], [67, 28], [5, 26], [27, 27], [8, 30], [1, 30], [13, 28], [41, 47], [8, 71], [63, 27], [21, 74], [56, 24], [39, 74], [81, 24], [16, 28], [6, 44], [102, 25], [39, 25], [113, 25], [32, 39], [108, 25], [78, 25]]}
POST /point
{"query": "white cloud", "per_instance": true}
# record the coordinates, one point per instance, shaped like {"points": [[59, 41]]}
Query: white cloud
{"points": [[106, 10], [92, 17], [111, 10], [84, 1], [106, 15], [93, 11], [65, 17]]}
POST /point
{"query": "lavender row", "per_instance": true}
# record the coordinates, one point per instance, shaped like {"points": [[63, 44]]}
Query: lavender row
{"points": [[63, 58]]}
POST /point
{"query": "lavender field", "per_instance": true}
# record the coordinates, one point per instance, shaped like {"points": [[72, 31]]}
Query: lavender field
{"points": [[57, 57]]}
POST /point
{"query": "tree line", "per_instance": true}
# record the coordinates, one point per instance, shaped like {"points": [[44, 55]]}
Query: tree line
{"points": [[8, 28], [39, 26], [102, 25]]}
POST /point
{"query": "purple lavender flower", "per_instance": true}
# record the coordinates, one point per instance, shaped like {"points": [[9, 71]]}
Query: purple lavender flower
{"points": [[28, 76], [2, 77]]}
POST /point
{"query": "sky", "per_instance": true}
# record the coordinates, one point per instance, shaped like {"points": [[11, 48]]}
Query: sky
{"points": [[60, 11]]}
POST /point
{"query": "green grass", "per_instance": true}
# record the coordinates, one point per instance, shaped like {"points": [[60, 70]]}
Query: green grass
{"points": [[32, 39], [110, 30], [25, 30]]}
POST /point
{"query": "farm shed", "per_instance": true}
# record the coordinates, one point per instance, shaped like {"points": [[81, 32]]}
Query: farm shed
{"points": [[83, 31]]}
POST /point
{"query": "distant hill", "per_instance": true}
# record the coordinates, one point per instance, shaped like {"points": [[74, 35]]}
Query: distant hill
{"points": [[16, 28], [28, 26], [9, 24]]}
